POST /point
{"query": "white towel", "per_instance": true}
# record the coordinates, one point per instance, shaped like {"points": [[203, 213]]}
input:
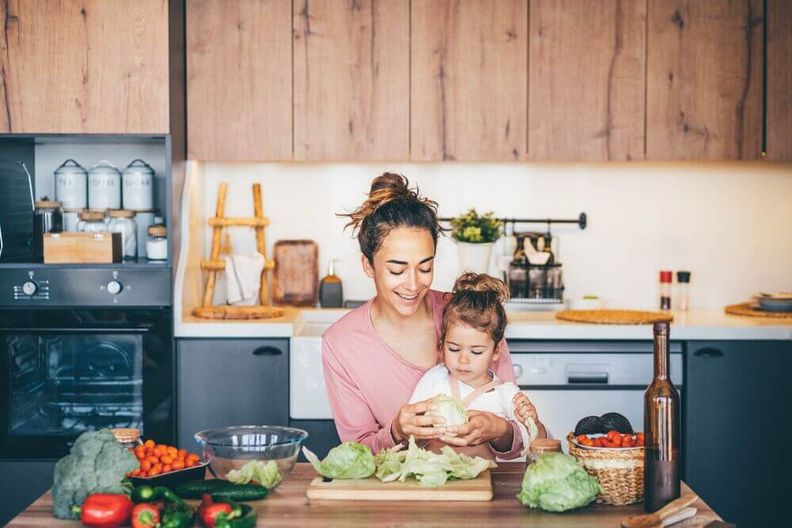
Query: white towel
{"points": [[243, 278]]}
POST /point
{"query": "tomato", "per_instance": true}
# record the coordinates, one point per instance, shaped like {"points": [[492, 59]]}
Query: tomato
{"points": [[601, 441]]}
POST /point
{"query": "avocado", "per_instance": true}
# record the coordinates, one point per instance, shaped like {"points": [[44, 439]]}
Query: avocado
{"points": [[589, 425], [614, 421]]}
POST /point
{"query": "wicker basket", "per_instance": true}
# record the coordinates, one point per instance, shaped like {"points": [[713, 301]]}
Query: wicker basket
{"points": [[620, 471]]}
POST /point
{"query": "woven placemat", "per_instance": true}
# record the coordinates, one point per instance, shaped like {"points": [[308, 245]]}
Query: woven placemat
{"points": [[751, 310], [614, 316], [237, 312]]}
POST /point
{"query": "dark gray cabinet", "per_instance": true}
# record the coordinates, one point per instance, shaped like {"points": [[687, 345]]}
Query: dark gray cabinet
{"points": [[737, 424], [222, 382], [322, 436]]}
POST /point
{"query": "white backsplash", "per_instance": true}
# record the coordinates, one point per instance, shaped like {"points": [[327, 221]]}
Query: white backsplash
{"points": [[730, 224]]}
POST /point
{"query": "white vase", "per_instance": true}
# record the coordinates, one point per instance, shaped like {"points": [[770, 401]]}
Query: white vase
{"points": [[474, 257]]}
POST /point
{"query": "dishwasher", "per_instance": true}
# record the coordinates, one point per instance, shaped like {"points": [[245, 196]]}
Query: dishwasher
{"points": [[567, 380]]}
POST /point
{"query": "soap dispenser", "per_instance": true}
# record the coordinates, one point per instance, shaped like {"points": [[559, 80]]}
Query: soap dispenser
{"points": [[331, 293]]}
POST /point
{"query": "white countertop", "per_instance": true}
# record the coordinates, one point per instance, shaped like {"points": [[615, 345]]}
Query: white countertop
{"points": [[693, 325]]}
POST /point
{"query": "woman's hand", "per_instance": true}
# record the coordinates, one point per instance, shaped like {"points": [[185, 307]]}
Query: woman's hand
{"points": [[524, 409], [481, 427], [412, 420]]}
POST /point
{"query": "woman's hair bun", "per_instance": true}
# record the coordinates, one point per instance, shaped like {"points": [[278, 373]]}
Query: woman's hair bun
{"points": [[483, 283]]}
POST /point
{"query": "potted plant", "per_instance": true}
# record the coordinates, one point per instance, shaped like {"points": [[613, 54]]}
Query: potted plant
{"points": [[475, 235]]}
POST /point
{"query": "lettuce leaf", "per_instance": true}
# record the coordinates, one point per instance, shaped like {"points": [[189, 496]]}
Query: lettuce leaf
{"points": [[350, 460], [556, 482], [450, 409], [256, 471]]}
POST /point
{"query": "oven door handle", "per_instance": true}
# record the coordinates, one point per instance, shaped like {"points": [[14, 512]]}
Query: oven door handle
{"points": [[588, 378], [51, 330]]}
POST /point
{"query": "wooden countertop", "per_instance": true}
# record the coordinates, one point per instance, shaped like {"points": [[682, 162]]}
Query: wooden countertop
{"points": [[288, 507]]}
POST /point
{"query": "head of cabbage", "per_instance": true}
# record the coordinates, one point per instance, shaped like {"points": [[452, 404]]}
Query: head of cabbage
{"points": [[350, 460], [450, 409], [556, 482]]}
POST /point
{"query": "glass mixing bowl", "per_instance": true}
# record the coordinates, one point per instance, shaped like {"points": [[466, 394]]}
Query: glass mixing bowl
{"points": [[228, 448]]}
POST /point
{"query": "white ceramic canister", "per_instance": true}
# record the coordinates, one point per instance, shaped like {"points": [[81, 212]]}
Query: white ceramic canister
{"points": [[71, 185], [104, 186], [138, 185], [143, 219], [71, 217], [123, 221]]}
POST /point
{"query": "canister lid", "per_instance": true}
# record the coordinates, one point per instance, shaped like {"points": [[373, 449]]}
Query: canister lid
{"points": [[46, 203], [157, 230], [103, 167], [546, 445], [138, 165], [126, 435], [120, 213], [92, 215], [70, 166]]}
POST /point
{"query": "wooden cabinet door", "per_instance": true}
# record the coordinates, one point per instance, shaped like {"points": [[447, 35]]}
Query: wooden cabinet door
{"points": [[704, 80], [351, 80], [469, 92], [95, 66], [779, 80], [239, 88], [586, 80]]}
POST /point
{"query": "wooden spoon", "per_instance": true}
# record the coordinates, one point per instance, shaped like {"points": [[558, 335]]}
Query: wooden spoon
{"points": [[653, 520]]}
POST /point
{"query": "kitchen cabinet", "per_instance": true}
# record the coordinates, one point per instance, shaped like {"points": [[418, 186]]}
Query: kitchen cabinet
{"points": [[779, 80], [22, 483], [96, 66], [351, 80], [322, 436], [586, 80], [224, 382], [239, 86], [468, 81], [704, 80], [737, 427]]}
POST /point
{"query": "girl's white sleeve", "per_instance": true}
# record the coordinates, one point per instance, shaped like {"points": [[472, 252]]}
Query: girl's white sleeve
{"points": [[427, 384]]}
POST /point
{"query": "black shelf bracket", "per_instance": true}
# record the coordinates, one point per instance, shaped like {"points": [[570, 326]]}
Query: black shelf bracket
{"points": [[581, 221]]}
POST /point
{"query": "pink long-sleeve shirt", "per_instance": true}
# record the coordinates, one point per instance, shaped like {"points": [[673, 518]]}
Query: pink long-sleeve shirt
{"points": [[368, 382]]}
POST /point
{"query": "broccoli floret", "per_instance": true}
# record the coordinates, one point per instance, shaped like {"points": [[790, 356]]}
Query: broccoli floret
{"points": [[97, 464]]}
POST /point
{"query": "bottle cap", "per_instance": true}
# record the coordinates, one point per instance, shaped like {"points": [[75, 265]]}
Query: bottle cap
{"points": [[665, 276], [662, 328], [683, 276]]}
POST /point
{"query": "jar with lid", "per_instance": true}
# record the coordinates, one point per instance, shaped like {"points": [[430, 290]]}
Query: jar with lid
{"points": [[543, 445], [71, 185], [144, 219], [71, 218], [104, 186], [92, 222], [47, 218], [157, 242], [138, 185], [123, 221], [128, 437]]}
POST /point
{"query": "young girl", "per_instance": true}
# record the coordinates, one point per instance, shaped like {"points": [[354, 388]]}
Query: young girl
{"points": [[471, 337]]}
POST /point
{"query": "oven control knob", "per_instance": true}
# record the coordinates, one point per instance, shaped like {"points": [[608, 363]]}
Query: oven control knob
{"points": [[29, 288], [114, 287]]}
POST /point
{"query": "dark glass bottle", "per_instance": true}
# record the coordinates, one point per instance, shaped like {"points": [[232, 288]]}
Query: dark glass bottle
{"points": [[661, 429]]}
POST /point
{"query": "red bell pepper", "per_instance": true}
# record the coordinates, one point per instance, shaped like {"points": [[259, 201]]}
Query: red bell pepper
{"points": [[145, 515], [106, 510], [209, 510]]}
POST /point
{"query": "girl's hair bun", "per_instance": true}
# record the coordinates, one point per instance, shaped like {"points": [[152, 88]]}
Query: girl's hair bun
{"points": [[482, 283]]}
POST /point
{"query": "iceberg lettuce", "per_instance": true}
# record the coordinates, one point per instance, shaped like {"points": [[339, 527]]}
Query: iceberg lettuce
{"points": [[556, 482], [350, 460]]}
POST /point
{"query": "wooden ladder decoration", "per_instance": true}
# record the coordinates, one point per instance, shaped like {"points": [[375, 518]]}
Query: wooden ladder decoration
{"points": [[214, 264]]}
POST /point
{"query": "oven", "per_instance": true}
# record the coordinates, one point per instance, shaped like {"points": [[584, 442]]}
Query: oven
{"points": [[70, 371]]}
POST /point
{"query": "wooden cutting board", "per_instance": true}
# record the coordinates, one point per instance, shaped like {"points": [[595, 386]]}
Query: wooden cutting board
{"points": [[372, 488], [295, 280]]}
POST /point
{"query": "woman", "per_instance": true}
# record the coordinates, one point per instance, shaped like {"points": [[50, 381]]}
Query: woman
{"points": [[374, 356]]}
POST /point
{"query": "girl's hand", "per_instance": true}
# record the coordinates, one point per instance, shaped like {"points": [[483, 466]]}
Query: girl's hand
{"points": [[481, 427], [524, 409], [412, 420]]}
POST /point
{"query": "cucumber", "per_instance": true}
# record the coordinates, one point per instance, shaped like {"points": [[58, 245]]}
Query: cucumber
{"points": [[220, 490], [240, 492]]}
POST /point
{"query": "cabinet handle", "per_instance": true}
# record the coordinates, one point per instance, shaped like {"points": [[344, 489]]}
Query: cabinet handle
{"points": [[708, 352], [267, 351]]}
